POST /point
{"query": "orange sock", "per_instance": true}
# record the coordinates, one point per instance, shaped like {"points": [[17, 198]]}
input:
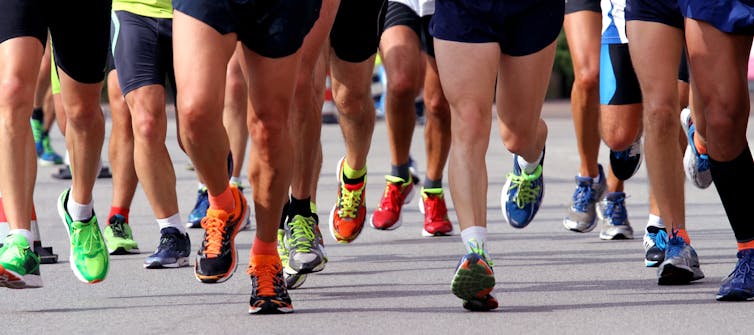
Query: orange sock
{"points": [[260, 247], [682, 233], [118, 210], [700, 147], [223, 201], [745, 245]]}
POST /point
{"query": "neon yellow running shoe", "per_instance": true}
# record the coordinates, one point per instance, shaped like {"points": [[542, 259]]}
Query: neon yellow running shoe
{"points": [[19, 265], [88, 258], [119, 238]]}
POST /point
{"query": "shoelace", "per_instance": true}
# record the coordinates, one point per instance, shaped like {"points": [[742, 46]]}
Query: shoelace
{"points": [[86, 238], [525, 193], [213, 236], [390, 200], [675, 247], [661, 239], [118, 229], [349, 202], [434, 207], [302, 234], [266, 277], [582, 197], [703, 163], [616, 211], [478, 248], [168, 242]]}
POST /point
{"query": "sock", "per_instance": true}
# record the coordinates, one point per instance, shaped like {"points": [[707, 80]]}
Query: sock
{"points": [[260, 247], [300, 207], [401, 171], [474, 236], [172, 221], [732, 178], [38, 114], [351, 176], [433, 191], [223, 201], [235, 180], [529, 167], [118, 211], [77, 211], [67, 158], [431, 183], [700, 147], [23, 232], [682, 233], [200, 186], [745, 245], [655, 221]]}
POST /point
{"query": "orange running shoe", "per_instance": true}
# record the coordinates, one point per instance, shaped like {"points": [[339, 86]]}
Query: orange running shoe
{"points": [[349, 213], [269, 294], [216, 259]]}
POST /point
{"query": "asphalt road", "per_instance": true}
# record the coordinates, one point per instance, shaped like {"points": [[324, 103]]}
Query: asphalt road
{"points": [[549, 280]]}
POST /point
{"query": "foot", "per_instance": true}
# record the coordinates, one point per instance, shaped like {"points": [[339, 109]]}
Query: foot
{"points": [[307, 249], [695, 165], [397, 193], [293, 280], [436, 221], [681, 264], [473, 282], [655, 243], [613, 217], [739, 285], [269, 294], [625, 163], [522, 195], [118, 236], [19, 265], [172, 252], [582, 215], [200, 209], [89, 258], [349, 213]]}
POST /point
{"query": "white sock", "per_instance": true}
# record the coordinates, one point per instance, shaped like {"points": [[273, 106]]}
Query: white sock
{"points": [[529, 167], [23, 232], [67, 159], [77, 211], [474, 236], [656, 221], [172, 221], [235, 180]]}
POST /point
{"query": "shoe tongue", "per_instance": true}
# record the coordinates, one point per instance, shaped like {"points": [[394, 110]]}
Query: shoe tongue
{"points": [[584, 181], [217, 213], [615, 196], [395, 180], [354, 187]]}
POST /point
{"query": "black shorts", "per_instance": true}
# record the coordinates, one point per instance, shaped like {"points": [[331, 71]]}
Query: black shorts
{"points": [[573, 6], [356, 32], [143, 49], [520, 27], [618, 82], [399, 14], [79, 30], [271, 28], [683, 68], [661, 11]]}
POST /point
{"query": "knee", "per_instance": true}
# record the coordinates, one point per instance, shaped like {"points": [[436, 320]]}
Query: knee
{"points": [[587, 78], [267, 129], [195, 116], [352, 102], [661, 119], [437, 107], [619, 139], [15, 95], [402, 86], [149, 127]]}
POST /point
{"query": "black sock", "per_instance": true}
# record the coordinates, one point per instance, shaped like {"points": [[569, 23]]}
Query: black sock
{"points": [[353, 181], [731, 179], [429, 183], [38, 114], [300, 207], [401, 171]]}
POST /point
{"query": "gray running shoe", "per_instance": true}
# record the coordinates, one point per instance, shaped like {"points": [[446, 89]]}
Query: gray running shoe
{"points": [[292, 281], [304, 241], [681, 265], [582, 214], [613, 218], [696, 165]]}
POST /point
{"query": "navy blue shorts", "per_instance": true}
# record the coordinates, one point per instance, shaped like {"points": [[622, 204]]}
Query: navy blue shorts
{"points": [[358, 26], [271, 28], [573, 6], [730, 16], [618, 82], [399, 14], [79, 30], [143, 50], [660, 11], [520, 27]]}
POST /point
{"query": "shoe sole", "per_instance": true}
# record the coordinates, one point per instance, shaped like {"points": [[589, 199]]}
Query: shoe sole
{"points": [[11, 279], [425, 233], [216, 279], [181, 262], [468, 283], [674, 275], [270, 308], [735, 295], [294, 281], [394, 226], [572, 226], [123, 251], [62, 213], [689, 168]]}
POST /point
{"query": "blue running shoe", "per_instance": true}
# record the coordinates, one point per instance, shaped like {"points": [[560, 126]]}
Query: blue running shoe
{"points": [[655, 242], [613, 217], [681, 264], [739, 285], [625, 163], [695, 165], [474, 280], [172, 252], [522, 195], [582, 215], [200, 209]]}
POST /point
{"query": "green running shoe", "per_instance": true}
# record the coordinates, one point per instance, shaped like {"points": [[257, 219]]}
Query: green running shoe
{"points": [[292, 281], [88, 258], [119, 238], [19, 265]]}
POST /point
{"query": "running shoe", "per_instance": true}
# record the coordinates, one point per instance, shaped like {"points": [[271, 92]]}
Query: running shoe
{"points": [[19, 264], [246, 224], [436, 221], [45, 153], [695, 165], [118, 236], [37, 131], [307, 250], [89, 258], [216, 259], [613, 217], [200, 209], [172, 252], [269, 294], [398, 192], [625, 163], [293, 280], [582, 215], [681, 264], [655, 243], [739, 285], [522, 195], [64, 173], [349, 213], [474, 280]]}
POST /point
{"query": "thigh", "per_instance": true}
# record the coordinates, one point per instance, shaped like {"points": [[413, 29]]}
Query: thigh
{"points": [[20, 18], [655, 54], [618, 82], [140, 51]]}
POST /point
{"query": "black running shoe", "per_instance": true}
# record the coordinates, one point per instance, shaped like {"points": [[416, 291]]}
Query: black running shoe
{"points": [[172, 252], [269, 294], [625, 163], [216, 259]]}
